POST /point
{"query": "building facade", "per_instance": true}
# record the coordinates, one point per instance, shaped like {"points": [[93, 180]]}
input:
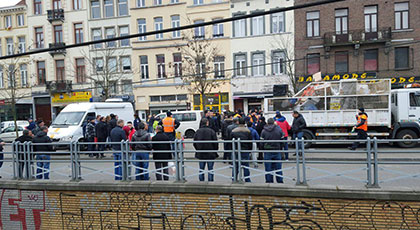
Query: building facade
{"points": [[350, 39], [261, 47]]}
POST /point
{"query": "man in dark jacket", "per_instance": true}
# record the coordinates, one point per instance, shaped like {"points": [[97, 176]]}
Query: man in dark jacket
{"points": [[243, 133], [205, 133], [272, 132], [39, 124], [31, 125], [90, 136], [26, 137], [118, 135], [162, 151], [298, 125], [208, 114], [229, 129], [101, 135], [226, 146], [112, 122], [42, 158], [142, 151]]}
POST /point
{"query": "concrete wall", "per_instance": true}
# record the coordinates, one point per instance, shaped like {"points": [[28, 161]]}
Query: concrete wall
{"points": [[202, 206]]}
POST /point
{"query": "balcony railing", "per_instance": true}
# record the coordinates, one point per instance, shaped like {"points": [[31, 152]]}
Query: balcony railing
{"points": [[59, 86], [55, 15], [57, 45], [357, 37]]}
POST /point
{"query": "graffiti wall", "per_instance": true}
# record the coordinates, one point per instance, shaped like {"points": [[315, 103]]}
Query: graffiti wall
{"points": [[22, 209]]}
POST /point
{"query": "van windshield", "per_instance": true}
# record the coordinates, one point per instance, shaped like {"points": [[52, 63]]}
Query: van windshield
{"points": [[68, 118]]}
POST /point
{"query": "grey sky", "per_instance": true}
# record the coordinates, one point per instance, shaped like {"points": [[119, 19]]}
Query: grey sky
{"points": [[8, 2]]}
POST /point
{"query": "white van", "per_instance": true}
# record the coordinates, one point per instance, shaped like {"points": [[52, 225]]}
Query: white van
{"points": [[189, 120], [68, 125]]}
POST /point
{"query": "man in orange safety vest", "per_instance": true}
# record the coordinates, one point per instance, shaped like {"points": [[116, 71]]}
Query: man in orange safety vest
{"points": [[361, 127], [169, 125]]}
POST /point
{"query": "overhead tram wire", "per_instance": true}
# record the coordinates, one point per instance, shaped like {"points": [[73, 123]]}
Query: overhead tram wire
{"points": [[191, 26]]}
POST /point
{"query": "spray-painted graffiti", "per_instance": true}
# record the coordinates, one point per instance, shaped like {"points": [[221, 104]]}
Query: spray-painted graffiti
{"points": [[22, 209]]}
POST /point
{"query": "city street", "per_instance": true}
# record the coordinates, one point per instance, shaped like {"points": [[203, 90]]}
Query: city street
{"points": [[346, 170]]}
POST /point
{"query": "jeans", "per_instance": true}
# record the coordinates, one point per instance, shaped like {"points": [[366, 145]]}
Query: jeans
{"points": [[1, 159], [272, 166], [285, 146], [227, 147], [42, 169], [299, 136], [150, 129], [118, 166], [361, 135], [159, 166], [244, 156], [91, 147], [210, 166], [141, 167]]}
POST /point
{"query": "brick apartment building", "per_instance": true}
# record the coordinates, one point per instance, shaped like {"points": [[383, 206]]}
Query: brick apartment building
{"points": [[380, 38]]}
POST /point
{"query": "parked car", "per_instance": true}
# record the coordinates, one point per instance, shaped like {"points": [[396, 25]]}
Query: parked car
{"points": [[190, 121], [20, 123], [9, 134]]}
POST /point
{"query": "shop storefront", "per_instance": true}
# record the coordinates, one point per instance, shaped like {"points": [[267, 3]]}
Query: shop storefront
{"points": [[60, 100], [24, 110], [218, 102]]}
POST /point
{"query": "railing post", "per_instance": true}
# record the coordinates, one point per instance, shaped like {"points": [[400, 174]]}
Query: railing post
{"points": [[375, 164], [239, 161], [233, 158], [14, 157], [29, 160], [77, 168], [304, 182], [73, 171], [298, 180], [122, 162], [178, 163], [369, 162], [181, 166], [127, 160]]}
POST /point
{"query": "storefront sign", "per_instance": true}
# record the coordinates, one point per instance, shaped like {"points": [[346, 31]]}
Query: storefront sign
{"points": [[337, 77], [72, 97], [405, 80]]}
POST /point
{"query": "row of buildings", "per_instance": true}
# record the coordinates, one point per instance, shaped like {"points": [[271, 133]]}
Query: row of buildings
{"points": [[373, 38]]}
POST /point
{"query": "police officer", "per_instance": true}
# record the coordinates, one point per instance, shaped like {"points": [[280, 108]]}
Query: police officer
{"points": [[361, 127], [169, 125]]}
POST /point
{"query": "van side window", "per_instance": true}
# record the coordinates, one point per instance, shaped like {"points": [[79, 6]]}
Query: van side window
{"points": [[90, 115], [189, 117], [414, 100]]}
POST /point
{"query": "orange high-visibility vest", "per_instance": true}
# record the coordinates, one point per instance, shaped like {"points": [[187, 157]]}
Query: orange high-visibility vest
{"points": [[359, 120], [168, 125]]}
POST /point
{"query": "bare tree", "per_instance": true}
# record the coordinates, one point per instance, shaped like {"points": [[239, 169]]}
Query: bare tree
{"points": [[14, 81], [198, 69], [107, 67]]}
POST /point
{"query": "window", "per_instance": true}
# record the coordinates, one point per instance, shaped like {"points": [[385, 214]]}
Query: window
{"points": [[277, 23], [414, 100], [218, 30], [258, 67], [1, 77], [124, 32], [175, 24], [24, 75], [401, 15], [10, 48], [401, 58], [160, 60], [159, 26], [371, 18], [144, 67], [198, 2], [95, 7], [59, 70], [157, 2], [177, 65], [37, 6], [257, 25], [199, 31], [56, 4], [154, 98], [99, 64], [313, 65], [278, 63], [113, 87], [80, 70], [58, 34], [168, 98], [8, 22], [174, 1], [20, 20], [122, 8], [341, 62], [239, 28], [11, 78], [97, 35], [41, 72], [182, 97], [110, 33], [39, 37], [127, 87], [141, 23], [109, 8], [78, 33], [112, 64], [141, 3], [77, 4], [219, 67], [341, 21], [371, 60], [125, 63], [312, 24], [22, 44], [240, 65]]}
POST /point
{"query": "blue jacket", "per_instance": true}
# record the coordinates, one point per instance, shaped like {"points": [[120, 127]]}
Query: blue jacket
{"points": [[31, 126], [117, 135], [254, 133]]}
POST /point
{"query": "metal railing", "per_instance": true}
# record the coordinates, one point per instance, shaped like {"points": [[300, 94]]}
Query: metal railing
{"points": [[371, 165]]}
